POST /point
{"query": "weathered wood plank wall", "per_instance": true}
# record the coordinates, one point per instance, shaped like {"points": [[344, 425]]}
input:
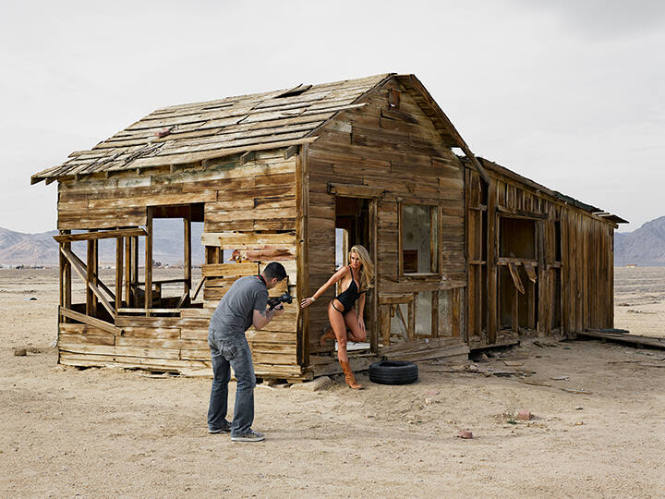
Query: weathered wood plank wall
{"points": [[574, 260], [255, 199], [396, 153]]}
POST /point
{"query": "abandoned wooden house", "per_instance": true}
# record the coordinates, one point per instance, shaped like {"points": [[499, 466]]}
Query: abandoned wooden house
{"points": [[468, 254]]}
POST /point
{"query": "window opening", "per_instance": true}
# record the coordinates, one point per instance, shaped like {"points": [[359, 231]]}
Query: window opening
{"points": [[419, 239]]}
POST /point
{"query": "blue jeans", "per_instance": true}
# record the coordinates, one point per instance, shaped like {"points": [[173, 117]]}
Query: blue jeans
{"points": [[226, 353]]}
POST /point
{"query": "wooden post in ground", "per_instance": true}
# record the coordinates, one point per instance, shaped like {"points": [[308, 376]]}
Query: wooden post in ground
{"points": [[187, 263], [128, 271], [118, 273], [91, 264], [148, 262], [492, 245]]}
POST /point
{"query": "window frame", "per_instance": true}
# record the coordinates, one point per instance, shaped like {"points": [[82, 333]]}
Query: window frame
{"points": [[435, 239]]}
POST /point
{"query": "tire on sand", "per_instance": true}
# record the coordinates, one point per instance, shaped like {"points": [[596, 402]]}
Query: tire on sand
{"points": [[393, 372]]}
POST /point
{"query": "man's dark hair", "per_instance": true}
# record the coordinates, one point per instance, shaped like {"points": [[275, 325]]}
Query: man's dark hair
{"points": [[274, 269]]}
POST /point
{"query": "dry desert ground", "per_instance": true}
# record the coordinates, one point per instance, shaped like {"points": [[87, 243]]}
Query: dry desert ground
{"points": [[598, 428]]}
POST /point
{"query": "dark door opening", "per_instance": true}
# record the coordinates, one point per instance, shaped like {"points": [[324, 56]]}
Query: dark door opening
{"points": [[517, 274]]}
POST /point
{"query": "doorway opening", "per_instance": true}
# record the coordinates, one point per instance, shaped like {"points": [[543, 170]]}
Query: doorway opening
{"points": [[517, 274], [353, 222]]}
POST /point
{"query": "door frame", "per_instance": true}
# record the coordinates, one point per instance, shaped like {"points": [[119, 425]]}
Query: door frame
{"points": [[372, 195]]}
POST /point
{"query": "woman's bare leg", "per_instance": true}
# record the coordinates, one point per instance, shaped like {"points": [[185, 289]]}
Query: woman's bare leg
{"points": [[357, 334], [339, 328]]}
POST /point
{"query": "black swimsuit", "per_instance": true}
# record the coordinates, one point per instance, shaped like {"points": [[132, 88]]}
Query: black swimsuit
{"points": [[349, 296]]}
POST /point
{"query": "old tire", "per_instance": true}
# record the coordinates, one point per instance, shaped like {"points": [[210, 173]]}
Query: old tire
{"points": [[393, 372]]}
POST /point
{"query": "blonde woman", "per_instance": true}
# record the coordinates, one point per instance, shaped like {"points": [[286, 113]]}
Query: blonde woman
{"points": [[356, 279]]}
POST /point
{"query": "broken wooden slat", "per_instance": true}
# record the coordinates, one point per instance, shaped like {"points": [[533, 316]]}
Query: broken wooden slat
{"points": [[100, 235]]}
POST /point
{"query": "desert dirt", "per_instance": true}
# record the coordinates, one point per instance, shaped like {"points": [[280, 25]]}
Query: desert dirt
{"points": [[110, 432]]}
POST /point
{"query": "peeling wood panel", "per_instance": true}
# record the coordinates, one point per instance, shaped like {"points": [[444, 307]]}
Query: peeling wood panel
{"points": [[574, 255]]}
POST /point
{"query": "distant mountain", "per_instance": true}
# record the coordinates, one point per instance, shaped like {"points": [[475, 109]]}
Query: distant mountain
{"points": [[41, 249], [28, 249], [644, 246]]}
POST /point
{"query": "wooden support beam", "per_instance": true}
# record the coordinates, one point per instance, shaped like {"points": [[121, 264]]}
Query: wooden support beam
{"points": [[67, 278], [148, 262], [491, 250], [354, 190], [106, 234], [198, 287], [135, 266], [302, 254], [83, 273], [374, 248], [90, 321], [128, 271], [118, 272], [412, 321], [141, 311], [456, 306], [291, 151], [187, 263], [91, 264], [385, 315], [435, 314]]}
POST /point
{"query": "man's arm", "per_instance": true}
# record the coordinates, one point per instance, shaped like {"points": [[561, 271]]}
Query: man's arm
{"points": [[261, 318]]}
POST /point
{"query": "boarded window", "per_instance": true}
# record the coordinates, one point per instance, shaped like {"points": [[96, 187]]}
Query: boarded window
{"points": [[419, 238]]}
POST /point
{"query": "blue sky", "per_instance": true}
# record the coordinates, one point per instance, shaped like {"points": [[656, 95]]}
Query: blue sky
{"points": [[569, 94]]}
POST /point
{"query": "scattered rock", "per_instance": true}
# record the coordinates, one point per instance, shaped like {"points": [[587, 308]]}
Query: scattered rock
{"points": [[560, 378], [20, 352], [465, 434], [524, 415], [512, 363]]}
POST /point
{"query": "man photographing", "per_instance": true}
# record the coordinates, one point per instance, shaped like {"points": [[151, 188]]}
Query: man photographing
{"points": [[243, 305]]}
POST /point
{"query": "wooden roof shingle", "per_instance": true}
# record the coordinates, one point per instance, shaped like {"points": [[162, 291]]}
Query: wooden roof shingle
{"points": [[204, 130]]}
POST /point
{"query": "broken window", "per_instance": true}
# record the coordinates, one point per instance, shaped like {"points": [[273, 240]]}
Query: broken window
{"points": [[518, 238], [419, 239]]}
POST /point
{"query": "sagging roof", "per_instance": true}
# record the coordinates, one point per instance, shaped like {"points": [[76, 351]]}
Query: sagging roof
{"points": [[206, 130], [491, 166], [203, 130]]}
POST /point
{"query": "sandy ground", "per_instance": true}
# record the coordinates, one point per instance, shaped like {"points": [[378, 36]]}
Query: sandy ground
{"points": [[109, 432]]}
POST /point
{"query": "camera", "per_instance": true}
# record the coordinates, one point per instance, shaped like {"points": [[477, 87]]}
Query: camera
{"points": [[284, 298]]}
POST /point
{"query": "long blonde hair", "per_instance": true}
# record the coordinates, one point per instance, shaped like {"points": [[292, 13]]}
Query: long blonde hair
{"points": [[367, 271]]}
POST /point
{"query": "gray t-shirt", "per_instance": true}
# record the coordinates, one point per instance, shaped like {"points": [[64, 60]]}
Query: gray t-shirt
{"points": [[235, 312]]}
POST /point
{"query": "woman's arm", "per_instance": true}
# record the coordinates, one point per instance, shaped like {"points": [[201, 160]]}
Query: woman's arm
{"points": [[333, 279]]}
